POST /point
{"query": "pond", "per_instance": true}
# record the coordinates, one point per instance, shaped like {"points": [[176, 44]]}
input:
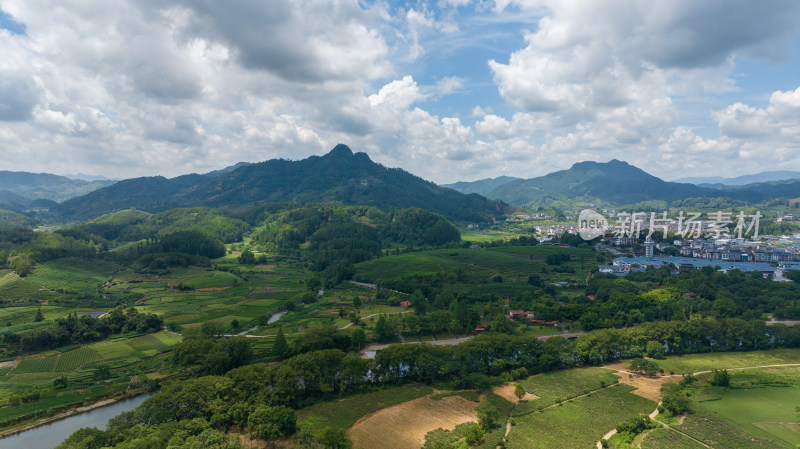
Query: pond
{"points": [[52, 434]]}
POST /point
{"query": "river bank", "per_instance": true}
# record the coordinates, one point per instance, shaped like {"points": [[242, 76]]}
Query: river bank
{"points": [[71, 411], [56, 428]]}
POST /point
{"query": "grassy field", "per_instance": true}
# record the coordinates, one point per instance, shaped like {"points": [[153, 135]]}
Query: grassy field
{"points": [[476, 270], [760, 404], [668, 439], [578, 423], [762, 412], [486, 236], [693, 363], [721, 433]]}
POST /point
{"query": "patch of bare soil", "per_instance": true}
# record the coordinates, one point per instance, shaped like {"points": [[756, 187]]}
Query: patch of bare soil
{"points": [[10, 363], [507, 392], [266, 267], [404, 426], [247, 443], [213, 289], [646, 386]]}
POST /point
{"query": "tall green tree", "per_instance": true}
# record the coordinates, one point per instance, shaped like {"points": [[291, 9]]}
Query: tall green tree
{"points": [[280, 348], [359, 338]]}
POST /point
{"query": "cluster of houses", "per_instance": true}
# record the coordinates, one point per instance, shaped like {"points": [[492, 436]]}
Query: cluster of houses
{"points": [[736, 250], [625, 265]]}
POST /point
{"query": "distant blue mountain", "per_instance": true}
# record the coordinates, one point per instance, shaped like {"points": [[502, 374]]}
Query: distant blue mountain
{"points": [[766, 176], [481, 186]]}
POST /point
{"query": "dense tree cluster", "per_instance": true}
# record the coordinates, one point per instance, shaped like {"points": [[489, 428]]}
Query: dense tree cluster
{"points": [[194, 243], [74, 329], [211, 355], [340, 236]]}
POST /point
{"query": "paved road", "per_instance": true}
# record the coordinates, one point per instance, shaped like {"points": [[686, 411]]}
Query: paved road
{"points": [[456, 341]]}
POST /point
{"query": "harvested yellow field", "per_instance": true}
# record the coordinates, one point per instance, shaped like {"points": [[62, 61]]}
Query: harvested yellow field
{"points": [[404, 426]]}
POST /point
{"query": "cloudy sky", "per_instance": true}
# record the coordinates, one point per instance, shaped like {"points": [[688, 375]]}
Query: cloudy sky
{"points": [[449, 90]]}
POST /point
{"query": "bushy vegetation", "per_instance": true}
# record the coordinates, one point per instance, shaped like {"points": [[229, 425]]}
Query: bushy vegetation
{"points": [[340, 236], [76, 330], [132, 225]]}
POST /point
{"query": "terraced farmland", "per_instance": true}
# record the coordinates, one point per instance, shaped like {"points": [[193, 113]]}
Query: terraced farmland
{"points": [[72, 360], [36, 365]]}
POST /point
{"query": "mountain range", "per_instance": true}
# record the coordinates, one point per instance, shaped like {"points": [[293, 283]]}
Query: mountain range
{"points": [[45, 186], [344, 177], [767, 176], [619, 183], [337, 177], [481, 186]]}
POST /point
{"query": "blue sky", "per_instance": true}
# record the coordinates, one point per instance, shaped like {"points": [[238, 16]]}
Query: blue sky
{"points": [[449, 90]]}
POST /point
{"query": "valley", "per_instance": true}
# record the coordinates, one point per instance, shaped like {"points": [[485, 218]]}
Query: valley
{"points": [[334, 325]]}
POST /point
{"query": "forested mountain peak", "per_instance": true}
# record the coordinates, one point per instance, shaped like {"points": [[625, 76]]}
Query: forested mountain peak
{"points": [[339, 177]]}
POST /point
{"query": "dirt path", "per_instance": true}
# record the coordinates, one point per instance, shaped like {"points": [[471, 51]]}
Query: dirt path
{"points": [[364, 284], [453, 341]]}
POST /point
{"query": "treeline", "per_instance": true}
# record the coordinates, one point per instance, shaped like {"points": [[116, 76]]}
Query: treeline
{"points": [[217, 404], [74, 329]]}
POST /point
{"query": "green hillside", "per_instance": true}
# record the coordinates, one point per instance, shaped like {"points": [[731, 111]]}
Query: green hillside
{"points": [[339, 177]]}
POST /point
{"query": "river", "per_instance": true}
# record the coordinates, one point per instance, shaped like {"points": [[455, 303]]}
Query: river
{"points": [[275, 317], [52, 434]]}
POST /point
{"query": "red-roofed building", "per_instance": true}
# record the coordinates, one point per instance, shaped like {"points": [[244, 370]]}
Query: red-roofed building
{"points": [[405, 304]]}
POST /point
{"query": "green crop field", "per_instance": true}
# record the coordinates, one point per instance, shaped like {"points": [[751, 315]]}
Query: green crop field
{"points": [[7, 277], [74, 359], [668, 439], [578, 423], [693, 363], [345, 412], [36, 365], [562, 385], [719, 432], [73, 275], [76, 364], [767, 413], [486, 236], [110, 350]]}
